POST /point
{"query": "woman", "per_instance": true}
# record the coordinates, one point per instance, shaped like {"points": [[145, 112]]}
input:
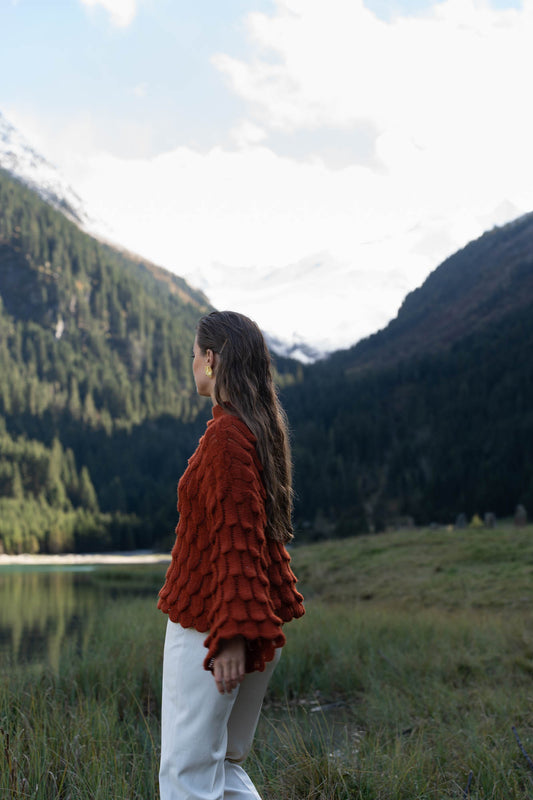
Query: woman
{"points": [[229, 587]]}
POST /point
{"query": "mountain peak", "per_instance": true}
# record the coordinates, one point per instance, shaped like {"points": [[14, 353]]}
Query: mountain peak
{"points": [[23, 162]]}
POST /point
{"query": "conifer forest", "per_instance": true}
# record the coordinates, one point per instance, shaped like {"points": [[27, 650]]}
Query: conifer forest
{"points": [[98, 410]]}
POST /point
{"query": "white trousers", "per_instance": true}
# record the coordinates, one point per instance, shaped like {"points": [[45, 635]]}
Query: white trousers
{"points": [[204, 734]]}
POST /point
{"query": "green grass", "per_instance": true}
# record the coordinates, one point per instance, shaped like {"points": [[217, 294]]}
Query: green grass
{"points": [[90, 731], [408, 672], [427, 698], [416, 569]]}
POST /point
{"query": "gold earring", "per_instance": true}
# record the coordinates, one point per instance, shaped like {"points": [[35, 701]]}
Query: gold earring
{"points": [[208, 370]]}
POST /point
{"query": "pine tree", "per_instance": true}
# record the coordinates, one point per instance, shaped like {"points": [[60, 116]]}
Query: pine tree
{"points": [[90, 415], [17, 490], [88, 498], [55, 489], [74, 402]]}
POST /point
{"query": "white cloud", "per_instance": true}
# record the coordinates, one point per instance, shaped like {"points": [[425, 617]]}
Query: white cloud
{"points": [[335, 64], [234, 223], [122, 12], [241, 208], [443, 99], [246, 133]]}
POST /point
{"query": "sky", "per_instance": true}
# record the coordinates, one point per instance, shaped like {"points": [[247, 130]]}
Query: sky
{"points": [[307, 162]]}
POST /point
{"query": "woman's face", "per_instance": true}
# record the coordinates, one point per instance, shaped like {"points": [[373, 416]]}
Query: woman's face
{"points": [[204, 384]]}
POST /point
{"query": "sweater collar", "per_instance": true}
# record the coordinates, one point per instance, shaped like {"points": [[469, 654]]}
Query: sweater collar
{"points": [[218, 411], [223, 411]]}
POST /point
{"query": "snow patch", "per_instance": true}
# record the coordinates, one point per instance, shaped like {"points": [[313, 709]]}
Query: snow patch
{"points": [[24, 163]]}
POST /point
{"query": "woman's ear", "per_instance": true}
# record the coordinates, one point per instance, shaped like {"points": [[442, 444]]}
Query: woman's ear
{"points": [[210, 358]]}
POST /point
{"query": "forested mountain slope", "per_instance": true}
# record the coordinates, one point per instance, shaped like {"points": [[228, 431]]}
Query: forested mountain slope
{"points": [[433, 416], [96, 388], [477, 286]]}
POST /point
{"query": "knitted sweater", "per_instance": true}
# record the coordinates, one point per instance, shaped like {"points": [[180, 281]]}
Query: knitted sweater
{"points": [[226, 577]]}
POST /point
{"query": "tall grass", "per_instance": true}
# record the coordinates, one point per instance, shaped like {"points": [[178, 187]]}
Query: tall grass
{"points": [[92, 729], [404, 680], [408, 705]]}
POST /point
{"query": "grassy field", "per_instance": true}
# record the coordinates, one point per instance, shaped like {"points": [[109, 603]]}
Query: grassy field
{"points": [[405, 679]]}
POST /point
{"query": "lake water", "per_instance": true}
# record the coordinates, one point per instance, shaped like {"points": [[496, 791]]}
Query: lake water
{"points": [[44, 608]]}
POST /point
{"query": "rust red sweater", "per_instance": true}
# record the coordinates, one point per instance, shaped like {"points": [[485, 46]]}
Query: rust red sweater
{"points": [[226, 577]]}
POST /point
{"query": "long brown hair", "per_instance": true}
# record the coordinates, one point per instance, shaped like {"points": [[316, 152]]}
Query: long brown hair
{"points": [[245, 387]]}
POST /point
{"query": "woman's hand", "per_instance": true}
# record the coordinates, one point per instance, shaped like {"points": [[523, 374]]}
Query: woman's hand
{"points": [[229, 664]]}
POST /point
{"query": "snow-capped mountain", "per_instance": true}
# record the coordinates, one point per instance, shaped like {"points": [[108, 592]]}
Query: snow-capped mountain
{"points": [[19, 158], [298, 349]]}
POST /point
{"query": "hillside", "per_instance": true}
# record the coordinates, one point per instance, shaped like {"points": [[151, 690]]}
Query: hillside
{"points": [[472, 289], [98, 408], [433, 416], [96, 390]]}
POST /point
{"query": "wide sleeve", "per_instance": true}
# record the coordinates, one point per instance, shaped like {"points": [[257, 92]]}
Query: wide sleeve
{"points": [[241, 602]]}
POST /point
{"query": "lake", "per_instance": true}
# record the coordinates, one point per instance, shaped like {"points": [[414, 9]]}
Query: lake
{"points": [[46, 611]]}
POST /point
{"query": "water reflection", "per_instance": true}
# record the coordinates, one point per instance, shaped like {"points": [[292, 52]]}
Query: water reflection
{"points": [[42, 610]]}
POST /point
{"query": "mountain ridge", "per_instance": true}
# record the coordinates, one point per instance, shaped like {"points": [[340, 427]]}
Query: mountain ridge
{"points": [[431, 419], [479, 284]]}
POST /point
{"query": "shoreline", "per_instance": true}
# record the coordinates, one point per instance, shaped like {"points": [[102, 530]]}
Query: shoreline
{"points": [[77, 559]]}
